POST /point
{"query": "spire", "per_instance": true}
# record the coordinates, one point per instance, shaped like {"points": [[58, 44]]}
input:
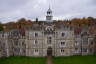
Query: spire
{"points": [[49, 6], [49, 10]]}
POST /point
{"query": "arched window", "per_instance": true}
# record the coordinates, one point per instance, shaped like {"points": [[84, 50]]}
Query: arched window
{"points": [[36, 50], [62, 43], [63, 34], [36, 41], [36, 34], [62, 50]]}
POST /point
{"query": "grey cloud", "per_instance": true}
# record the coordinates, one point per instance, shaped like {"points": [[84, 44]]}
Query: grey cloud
{"points": [[15, 9]]}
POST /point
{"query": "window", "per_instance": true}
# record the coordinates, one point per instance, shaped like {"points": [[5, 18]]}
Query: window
{"points": [[62, 43], [24, 51], [2, 35], [49, 37], [84, 49], [85, 40], [16, 42], [92, 43], [48, 12], [36, 34], [63, 34], [76, 43], [49, 40], [0, 42], [91, 50], [36, 41], [36, 50], [62, 50], [76, 49], [17, 50], [23, 43]]}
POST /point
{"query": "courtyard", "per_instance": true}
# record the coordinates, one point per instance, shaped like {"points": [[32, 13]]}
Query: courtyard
{"points": [[55, 60]]}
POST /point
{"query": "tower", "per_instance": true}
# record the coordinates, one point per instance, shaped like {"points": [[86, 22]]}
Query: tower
{"points": [[49, 15]]}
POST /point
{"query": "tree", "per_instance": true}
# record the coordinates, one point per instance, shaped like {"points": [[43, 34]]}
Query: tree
{"points": [[1, 27]]}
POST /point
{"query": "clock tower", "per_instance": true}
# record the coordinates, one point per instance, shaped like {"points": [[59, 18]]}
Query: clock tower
{"points": [[49, 15]]}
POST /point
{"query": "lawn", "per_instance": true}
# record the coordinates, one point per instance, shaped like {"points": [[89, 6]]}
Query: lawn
{"points": [[22, 60], [75, 60], [56, 60]]}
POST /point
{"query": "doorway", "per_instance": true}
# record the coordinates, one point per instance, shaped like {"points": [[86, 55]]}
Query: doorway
{"points": [[49, 51]]}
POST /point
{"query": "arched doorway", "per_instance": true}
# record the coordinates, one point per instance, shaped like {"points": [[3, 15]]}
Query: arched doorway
{"points": [[49, 51]]}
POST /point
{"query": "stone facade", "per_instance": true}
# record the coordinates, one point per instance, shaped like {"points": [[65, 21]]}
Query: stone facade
{"points": [[38, 40], [84, 42]]}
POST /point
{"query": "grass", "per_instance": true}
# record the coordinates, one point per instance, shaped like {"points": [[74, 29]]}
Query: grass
{"points": [[56, 60], [22, 60], [75, 60]]}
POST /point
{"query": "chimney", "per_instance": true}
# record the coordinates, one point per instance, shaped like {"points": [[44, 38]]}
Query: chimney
{"points": [[36, 19]]}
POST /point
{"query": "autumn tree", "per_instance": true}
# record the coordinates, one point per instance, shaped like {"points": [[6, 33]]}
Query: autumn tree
{"points": [[1, 27]]}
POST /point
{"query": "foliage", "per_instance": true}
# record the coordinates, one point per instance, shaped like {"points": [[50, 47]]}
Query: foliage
{"points": [[1, 27], [76, 22]]}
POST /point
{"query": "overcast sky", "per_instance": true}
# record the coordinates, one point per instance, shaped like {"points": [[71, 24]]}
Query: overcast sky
{"points": [[11, 10]]}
